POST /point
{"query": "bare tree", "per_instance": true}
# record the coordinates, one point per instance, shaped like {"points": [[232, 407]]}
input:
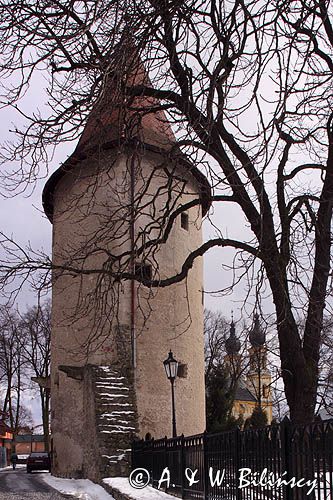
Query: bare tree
{"points": [[35, 344], [247, 86], [11, 368], [215, 330]]}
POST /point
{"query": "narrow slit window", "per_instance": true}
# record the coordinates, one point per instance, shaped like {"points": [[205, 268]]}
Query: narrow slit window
{"points": [[143, 270], [184, 221]]}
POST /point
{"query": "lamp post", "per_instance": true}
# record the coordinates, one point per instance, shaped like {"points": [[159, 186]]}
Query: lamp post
{"points": [[171, 367]]}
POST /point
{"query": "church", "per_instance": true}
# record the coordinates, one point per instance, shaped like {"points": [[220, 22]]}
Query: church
{"points": [[251, 376]]}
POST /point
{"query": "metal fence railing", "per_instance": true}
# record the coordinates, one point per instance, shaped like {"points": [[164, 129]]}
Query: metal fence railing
{"points": [[3, 457], [278, 462]]}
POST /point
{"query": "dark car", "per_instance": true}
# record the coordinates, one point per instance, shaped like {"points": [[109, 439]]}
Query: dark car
{"points": [[38, 461]]}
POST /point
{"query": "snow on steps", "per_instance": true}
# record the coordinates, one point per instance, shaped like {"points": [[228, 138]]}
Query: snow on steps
{"points": [[115, 420]]}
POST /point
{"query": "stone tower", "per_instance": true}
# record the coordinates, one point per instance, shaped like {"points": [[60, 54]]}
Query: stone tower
{"points": [[109, 203]]}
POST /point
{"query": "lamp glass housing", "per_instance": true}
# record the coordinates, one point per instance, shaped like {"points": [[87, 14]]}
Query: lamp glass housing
{"points": [[171, 366]]}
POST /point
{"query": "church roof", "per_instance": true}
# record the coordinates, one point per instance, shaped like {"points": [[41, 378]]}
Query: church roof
{"points": [[118, 118], [243, 394]]}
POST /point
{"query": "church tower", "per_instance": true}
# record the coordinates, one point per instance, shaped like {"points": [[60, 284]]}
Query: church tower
{"points": [[232, 359], [253, 388], [110, 206], [259, 376]]}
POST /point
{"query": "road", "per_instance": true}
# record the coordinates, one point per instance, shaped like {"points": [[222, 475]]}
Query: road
{"points": [[18, 485]]}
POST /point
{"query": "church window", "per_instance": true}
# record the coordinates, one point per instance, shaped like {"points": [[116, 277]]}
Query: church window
{"points": [[184, 221]]}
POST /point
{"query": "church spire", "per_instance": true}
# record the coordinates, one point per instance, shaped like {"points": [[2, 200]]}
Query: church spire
{"points": [[232, 343], [257, 335]]}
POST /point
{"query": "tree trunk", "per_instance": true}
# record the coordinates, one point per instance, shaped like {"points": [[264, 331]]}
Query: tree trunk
{"points": [[300, 381]]}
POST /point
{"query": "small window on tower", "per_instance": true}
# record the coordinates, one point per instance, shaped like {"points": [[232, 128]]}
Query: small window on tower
{"points": [[143, 270], [265, 391], [184, 221]]}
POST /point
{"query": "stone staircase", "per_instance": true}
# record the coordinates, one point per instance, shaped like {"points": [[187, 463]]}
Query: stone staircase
{"points": [[115, 419]]}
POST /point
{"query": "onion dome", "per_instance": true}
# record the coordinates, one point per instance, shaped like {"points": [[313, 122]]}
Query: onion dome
{"points": [[232, 343], [257, 335]]}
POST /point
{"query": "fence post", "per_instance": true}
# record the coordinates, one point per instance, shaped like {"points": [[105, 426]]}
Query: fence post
{"points": [[182, 464], [205, 464], [165, 455], [238, 460], [152, 461], [286, 456], [134, 453], [132, 456]]}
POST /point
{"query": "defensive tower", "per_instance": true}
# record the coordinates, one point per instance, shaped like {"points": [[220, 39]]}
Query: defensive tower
{"points": [[125, 203]]}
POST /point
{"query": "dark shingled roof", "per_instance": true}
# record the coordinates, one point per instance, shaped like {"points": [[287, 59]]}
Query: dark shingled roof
{"points": [[243, 394], [28, 438]]}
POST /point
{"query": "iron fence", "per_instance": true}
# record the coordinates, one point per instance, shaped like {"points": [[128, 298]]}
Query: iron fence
{"points": [[278, 462]]}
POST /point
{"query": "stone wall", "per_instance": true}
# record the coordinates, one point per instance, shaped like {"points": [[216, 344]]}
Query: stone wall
{"points": [[116, 419], [92, 317]]}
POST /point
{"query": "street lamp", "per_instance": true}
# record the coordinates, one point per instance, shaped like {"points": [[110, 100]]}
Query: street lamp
{"points": [[171, 367]]}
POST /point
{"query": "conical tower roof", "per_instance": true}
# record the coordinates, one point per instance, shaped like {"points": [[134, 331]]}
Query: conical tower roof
{"points": [[117, 115], [117, 118]]}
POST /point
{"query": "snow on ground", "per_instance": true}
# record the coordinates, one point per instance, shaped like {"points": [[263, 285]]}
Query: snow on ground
{"points": [[147, 493], [79, 488], [18, 466]]}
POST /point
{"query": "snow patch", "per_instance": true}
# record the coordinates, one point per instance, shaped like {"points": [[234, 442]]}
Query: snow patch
{"points": [[117, 431], [147, 493], [114, 419], [117, 412], [116, 426], [115, 404], [112, 395], [79, 488], [117, 458], [119, 387], [18, 466]]}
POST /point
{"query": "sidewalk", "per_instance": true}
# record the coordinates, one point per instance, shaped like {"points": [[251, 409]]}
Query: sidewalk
{"points": [[114, 488], [120, 489]]}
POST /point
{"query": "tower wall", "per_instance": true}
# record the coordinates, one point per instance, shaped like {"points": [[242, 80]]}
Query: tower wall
{"points": [[92, 319]]}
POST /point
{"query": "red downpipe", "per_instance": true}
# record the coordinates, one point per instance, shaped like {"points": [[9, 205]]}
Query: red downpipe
{"points": [[132, 238]]}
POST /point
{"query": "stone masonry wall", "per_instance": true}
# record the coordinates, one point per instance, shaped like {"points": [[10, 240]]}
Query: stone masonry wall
{"points": [[113, 423]]}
